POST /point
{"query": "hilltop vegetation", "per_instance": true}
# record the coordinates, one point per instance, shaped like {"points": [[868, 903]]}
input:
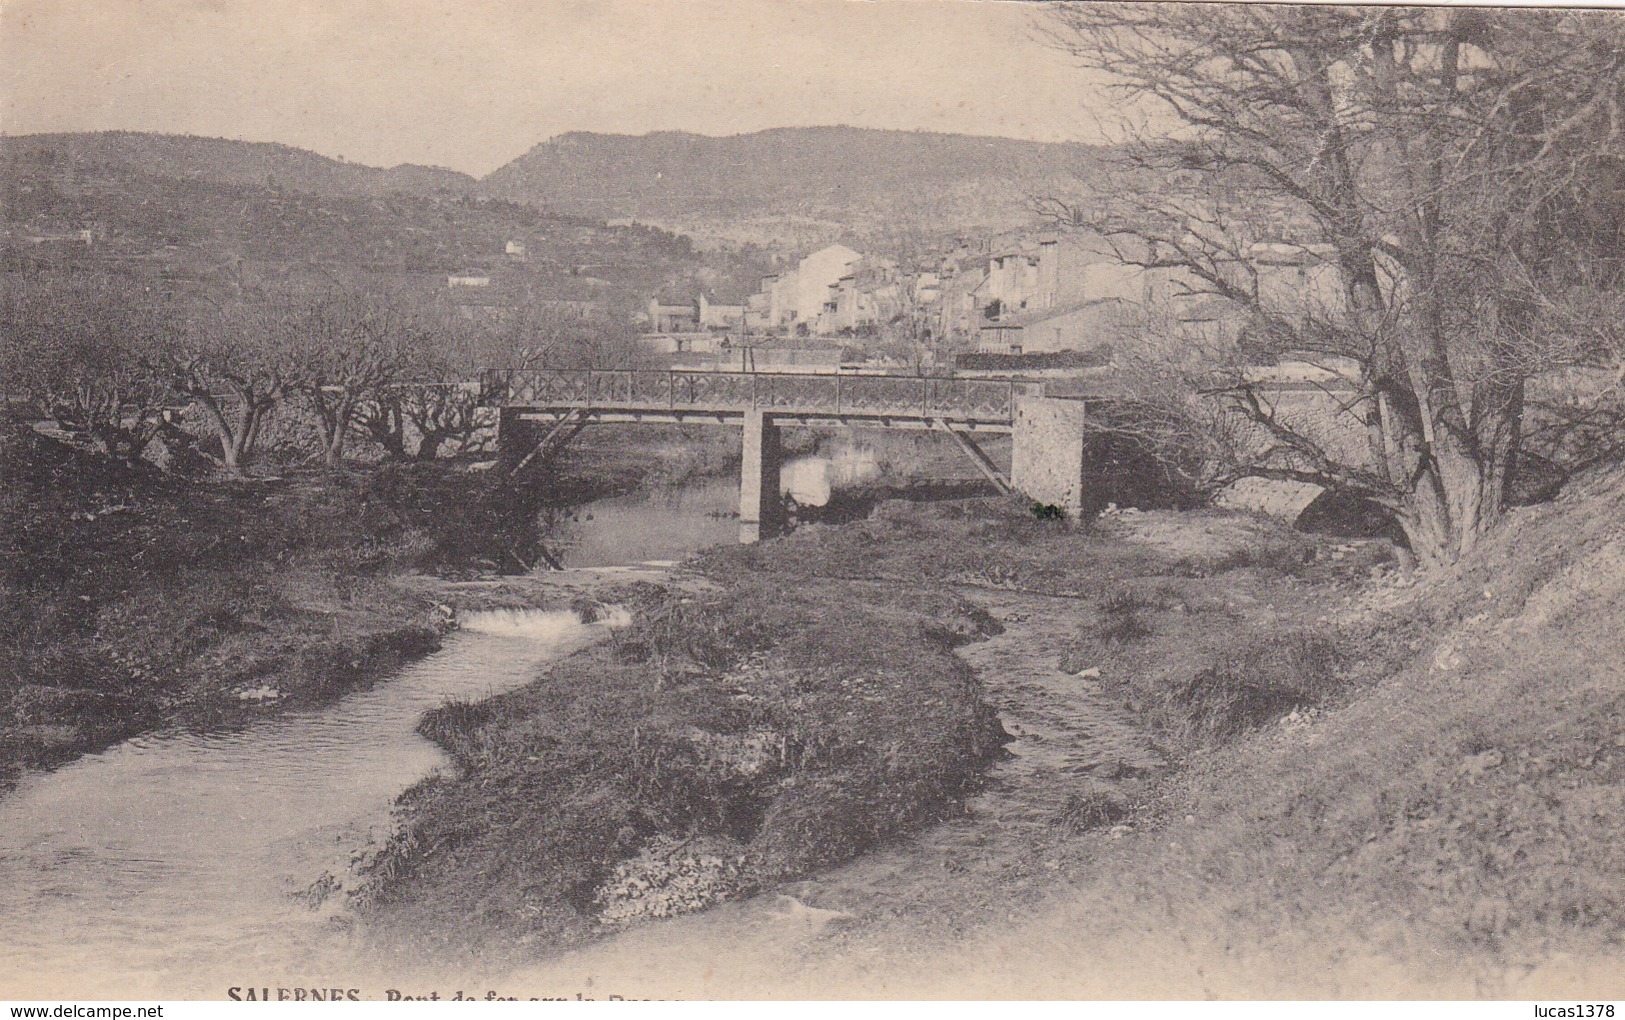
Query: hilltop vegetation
{"points": [[888, 189], [221, 217], [788, 190], [227, 161]]}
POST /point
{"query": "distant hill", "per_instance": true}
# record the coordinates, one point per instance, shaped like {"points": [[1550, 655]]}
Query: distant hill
{"points": [[222, 161], [867, 185], [220, 217], [210, 208]]}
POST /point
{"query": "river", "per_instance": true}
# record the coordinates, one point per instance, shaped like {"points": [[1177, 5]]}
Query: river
{"points": [[672, 523], [181, 864]]}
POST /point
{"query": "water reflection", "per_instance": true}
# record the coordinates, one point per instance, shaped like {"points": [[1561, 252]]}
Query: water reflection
{"points": [[675, 522]]}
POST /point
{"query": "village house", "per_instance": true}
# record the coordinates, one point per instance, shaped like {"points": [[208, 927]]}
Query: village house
{"points": [[815, 275], [673, 316], [1049, 294], [871, 295], [720, 315], [796, 300], [703, 314], [1083, 326], [1301, 281], [955, 315]]}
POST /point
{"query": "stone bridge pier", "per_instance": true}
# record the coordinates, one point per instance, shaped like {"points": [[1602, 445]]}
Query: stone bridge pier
{"points": [[1048, 459], [761, 512]]}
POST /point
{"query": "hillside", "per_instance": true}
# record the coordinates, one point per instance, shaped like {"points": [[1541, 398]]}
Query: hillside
{"points": [[224, 161], [212, 214], [869, 185], [788, 189]]}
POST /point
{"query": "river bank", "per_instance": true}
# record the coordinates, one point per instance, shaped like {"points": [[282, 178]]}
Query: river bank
{"points": [[132, 600], [740, 732], [1246, 762], [836, 638]]}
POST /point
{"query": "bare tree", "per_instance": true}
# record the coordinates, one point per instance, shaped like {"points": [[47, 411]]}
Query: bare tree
{"points": [[230, 367], [92, 350], [349, 349], [436, 395], [447, 413], [1434, 161]]}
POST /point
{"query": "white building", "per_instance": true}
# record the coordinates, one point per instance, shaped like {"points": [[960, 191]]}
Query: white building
{"points": [[815, 275]]}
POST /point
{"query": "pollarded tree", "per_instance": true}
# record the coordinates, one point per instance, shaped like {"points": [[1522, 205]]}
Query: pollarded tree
{"points": [[230, 367], [349, 349], [92, 351], [1435, 162], [435, 395]]}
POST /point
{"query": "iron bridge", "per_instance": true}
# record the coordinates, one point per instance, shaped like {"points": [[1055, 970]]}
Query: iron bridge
{"points": [[980, 405]]}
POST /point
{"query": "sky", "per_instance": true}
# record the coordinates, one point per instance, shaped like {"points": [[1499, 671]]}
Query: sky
{"points": [[471, 84]]}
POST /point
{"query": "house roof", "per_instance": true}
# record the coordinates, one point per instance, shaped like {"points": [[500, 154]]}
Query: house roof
{"points": [[988, 361], [727, 294]]}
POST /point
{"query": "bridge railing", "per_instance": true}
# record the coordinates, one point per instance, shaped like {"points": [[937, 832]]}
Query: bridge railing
{"points": [[790, 392]]}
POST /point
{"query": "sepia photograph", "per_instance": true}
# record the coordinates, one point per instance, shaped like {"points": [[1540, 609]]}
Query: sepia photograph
{"points": [[811, 499]]}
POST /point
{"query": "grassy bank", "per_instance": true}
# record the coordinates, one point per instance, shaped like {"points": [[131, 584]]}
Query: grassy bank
{"points": [[1360, 767], [1269, 762], [794, 705], [130, 599], [752, 730], [1461, 803]]}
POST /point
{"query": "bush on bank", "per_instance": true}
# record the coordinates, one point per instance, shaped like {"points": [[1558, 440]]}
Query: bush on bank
{"points": [[721, 742]]}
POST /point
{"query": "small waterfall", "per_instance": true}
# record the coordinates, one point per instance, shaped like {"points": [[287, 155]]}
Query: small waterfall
{"points": [[806, 479], [540, 624]]}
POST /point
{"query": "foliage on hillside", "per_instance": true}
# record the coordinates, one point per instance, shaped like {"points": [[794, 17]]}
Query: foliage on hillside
{"points": [[227, 161], [887, 187], [200, 214]]}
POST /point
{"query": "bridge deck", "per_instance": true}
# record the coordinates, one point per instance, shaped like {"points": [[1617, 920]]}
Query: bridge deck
{"points": [[639, 394]]}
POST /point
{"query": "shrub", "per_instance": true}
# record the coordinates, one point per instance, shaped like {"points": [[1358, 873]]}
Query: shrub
{"points": [[453, 724], [1255, 684], [712, 635], [1093, 807], [1117, 620]]}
